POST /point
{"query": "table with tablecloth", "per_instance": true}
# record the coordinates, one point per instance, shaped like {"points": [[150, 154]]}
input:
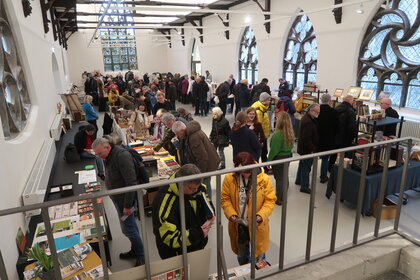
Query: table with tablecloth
{"points": [[351, 181]]}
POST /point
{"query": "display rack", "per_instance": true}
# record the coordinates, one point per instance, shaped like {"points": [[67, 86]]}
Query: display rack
{"points": [[376, 153]]}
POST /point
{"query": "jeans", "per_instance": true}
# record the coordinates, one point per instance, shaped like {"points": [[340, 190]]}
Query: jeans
{"points": [[244, 254], [302, 176], [203, 111], [278, 175], [99, 162], [221, 151], [206, 181], [325, 161], [130, 230]]}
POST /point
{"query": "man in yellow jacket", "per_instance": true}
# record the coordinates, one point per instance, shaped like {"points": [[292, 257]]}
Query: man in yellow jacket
{"points": [[261, 107]]}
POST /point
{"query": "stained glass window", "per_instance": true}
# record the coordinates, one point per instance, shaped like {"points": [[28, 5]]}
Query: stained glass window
{"points": [[195, 59], [118, 44], [301, 53], [389, 57], [248, 57], [15, 104]]}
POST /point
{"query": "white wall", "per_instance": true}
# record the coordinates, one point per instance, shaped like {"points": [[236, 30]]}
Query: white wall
{"points": [[18, 155], [338, 44], [151, 57]]}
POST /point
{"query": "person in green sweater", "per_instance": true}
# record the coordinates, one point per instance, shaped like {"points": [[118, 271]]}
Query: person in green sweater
{"points": [[281, 147]]}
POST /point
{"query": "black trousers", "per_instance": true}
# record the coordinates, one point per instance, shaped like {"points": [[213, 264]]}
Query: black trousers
{"points": [[223, 104]]}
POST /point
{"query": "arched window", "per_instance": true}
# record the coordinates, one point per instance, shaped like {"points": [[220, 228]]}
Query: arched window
{"points": [[118, 44], [15, 103], [195, 59], [248, 57], [389, 58], [301, 53]]}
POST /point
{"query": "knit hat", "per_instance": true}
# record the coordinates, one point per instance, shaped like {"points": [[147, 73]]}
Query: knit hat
{"points": [[264, 96]]}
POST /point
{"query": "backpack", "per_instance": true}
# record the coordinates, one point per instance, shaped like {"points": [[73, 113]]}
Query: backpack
{"points": [[71, 154], [281, 105], [141, 173]]}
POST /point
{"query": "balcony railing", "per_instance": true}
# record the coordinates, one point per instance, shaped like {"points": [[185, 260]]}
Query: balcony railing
{"points": [[407, 142]]}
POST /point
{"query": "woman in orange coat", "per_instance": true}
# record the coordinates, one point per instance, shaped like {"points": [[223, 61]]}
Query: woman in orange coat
{"points": [[237, 205]]}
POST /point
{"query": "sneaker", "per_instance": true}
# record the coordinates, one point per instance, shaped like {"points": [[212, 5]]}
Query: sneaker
{"points": [[128, 255], [305, 190], [278, 202]]}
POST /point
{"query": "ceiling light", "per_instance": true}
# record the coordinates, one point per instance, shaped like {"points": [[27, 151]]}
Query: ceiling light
{"points": [[247, 19], [360, 10]]}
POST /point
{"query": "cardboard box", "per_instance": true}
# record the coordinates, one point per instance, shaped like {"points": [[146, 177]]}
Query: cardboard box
{"points": [[389, 209]]}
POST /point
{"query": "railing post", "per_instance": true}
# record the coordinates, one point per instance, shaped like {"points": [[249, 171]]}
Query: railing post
{"points": [[3, 272], [311, 209], [403, 183], [384, 183], [221, 262], [99, 235], [283, 214], [337, 202], [253, 196], [144, 233], [183, 228], [51, 243], [361, 194]]}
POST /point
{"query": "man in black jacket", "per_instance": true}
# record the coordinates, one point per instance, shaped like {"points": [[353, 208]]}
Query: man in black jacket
{"points": [[120, 173], [161, 104], [258, 89], [328, 126], [390, 129], [347, 125], [308, 143], [222, 92], [201, 89], [171, 93], [167, 217], [83, 141], [283, 86]]}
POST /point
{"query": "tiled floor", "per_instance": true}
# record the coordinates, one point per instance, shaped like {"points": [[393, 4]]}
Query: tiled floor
{"points": [[297, 222]]}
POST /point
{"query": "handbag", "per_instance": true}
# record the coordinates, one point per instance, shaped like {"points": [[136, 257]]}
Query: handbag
{"points": [[243, 232]]}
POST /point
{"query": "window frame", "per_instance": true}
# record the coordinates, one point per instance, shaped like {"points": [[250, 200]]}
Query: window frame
{"points": [[405, 70], [293, 36], [251, 68]]}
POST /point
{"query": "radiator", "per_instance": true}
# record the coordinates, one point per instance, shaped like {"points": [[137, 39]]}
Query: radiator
{"points": [[410, 128], [56, 127], [37, 182]]}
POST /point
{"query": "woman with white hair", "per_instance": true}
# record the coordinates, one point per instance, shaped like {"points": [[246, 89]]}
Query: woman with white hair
{"points": [[91, 115], [219, 135]]}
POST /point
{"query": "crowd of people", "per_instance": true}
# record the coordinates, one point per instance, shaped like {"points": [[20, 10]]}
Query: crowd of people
{"points": [[151, 103]]}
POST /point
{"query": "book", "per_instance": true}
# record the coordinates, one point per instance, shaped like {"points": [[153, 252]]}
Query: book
{"points": [[70, 262], [21, 241]]}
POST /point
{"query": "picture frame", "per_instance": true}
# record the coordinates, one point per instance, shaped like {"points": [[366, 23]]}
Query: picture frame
{"points": [[338, 92], [366, 94], [354, 91]]}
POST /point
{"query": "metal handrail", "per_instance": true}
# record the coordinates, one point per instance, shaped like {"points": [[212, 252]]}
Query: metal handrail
{"points": [[221, 264], [100, 194]]}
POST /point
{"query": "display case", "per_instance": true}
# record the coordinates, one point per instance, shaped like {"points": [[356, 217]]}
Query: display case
{"points": [[367, 133]]}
